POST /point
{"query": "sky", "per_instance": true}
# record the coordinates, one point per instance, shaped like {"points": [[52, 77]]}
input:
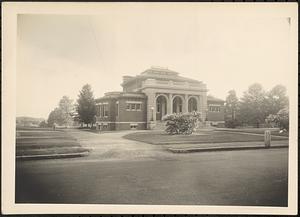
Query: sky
{"points": [[58, 54]]}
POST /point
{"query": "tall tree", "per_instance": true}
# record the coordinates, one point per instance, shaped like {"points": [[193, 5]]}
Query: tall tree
{"points": [[86, 106], [277, 99], [231, 109], [55, 116], [66, 109], [253, 105], [62, 115]]}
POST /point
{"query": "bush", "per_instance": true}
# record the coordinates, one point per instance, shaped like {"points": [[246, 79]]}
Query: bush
{"points": [[43, 124], [181, 123], [281, 119], [232, 123]]}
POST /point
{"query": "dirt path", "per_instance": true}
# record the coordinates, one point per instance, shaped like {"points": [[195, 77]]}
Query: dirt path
{"points": [[111, 146]]}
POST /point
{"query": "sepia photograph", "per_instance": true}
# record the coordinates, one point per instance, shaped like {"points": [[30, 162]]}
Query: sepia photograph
{"points": [[150, 107]]}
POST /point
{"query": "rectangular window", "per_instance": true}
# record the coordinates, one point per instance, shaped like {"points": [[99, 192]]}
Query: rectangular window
{"points": [[106, 110], [102, 110], [132, 106], [117, 109], [214, 108], [98, 110]]}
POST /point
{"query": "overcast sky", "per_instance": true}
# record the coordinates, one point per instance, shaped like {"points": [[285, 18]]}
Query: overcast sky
{"points": [[58, 54]]}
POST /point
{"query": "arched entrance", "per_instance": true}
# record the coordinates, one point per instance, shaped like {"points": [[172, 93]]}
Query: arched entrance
{"points": [[161, 107], [177, 104], [192, 104]]}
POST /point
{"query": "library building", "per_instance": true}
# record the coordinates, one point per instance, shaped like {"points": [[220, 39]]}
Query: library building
{"points": [[146, 98]]}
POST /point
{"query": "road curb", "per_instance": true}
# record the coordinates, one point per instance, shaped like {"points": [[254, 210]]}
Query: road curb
{"points": [[233, 148], [51, 156]]}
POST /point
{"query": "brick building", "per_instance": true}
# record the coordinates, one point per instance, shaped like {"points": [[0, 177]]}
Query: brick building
{"points": [[147, 97]]}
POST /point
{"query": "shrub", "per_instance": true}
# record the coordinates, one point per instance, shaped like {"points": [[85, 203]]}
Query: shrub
{"points": [[43, 124], [232, 123], [281, 119], [181, 123]]}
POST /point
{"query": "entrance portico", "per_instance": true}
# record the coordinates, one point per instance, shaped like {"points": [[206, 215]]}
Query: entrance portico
{"points": [[163, 103]]}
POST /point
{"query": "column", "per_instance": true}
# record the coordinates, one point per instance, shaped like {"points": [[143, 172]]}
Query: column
{"points": [[151, 103], [170, 104], [185, 104], [203, 105]]}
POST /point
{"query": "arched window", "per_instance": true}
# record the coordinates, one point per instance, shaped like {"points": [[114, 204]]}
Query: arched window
{"points": [[161, 107], [192, 104], [177, 105]]}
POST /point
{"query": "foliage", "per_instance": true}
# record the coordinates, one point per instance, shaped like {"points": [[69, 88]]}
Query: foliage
{"points": [[232, 123], [181, 123], [62, 115], [86, 106], [54, 117], [28, 121], [66, 107], [231, 109], [43, 124], [281, 119], [276, 99], [253, 105]]}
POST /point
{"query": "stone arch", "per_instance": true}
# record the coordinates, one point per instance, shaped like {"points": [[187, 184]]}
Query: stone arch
{"points": [[177, 104], [161, 103], [193, 104]]}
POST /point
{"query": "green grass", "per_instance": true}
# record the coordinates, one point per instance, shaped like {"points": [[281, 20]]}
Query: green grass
{"points": [[160, 137], [30, 142], [274, 131]]}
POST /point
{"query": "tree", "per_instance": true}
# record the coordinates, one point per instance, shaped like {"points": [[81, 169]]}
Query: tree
{"points": [[66, 108], [62, 115], [231, 109], [86, 106], [54, 117], [277, 99], [43, 124], [253, 105]]}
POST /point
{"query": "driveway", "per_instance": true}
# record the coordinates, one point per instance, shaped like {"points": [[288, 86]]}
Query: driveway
{"points": [[111, 146]]}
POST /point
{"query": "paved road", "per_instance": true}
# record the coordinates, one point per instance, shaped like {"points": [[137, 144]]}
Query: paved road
{"points": [[122, 172]]}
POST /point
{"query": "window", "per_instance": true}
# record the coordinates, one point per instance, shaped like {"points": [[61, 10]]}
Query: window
{"points": [[98, 110], [105, 110], [133, 126], [158, 108], [117, 108], [214, 108], [133, 106]]}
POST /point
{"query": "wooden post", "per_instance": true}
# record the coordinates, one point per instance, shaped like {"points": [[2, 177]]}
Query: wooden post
{"points": [[267, 138]]}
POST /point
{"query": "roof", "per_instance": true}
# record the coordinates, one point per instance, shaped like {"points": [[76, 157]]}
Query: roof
{"points": [[160, 74], [214, 99], [116, 95]]}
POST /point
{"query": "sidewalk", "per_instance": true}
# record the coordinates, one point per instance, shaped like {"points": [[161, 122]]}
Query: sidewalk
{"points": [[187, 148]]}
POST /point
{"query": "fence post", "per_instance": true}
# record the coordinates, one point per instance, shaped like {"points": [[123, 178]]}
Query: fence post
{"points": [[267, 138]]}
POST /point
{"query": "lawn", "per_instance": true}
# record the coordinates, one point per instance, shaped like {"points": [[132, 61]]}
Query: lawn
{"points": [[160, 137], [274, 131], [33, 142]]}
